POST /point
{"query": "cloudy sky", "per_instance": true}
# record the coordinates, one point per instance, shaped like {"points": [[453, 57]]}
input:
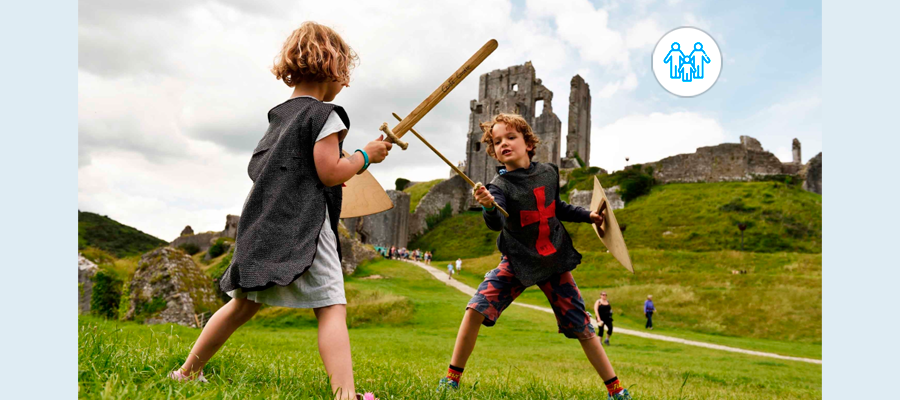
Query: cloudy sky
{"points": [[173, 94]]}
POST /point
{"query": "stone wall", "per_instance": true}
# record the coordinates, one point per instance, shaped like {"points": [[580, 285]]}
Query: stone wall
{"points": [[724, 162], [454, 191], [201, 240], [578, 138], [86, 272], [387, 228], [353, 252], [582, 198], [231, 224]]}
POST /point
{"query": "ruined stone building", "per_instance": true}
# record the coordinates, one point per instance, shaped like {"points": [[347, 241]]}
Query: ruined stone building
{"points": [[513, 90], [385, 229], [742, 161], [578, 139]]}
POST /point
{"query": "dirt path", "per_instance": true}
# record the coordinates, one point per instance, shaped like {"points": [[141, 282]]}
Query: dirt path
{"points": [[442, 276]]}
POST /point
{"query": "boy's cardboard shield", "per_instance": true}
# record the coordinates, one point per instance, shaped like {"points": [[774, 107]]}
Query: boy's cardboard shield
{"points": [[363, 195], [609, 233]]}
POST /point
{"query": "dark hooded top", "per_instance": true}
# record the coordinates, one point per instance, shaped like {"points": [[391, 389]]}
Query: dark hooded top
{"points": [[280, 222], [533, 239]]}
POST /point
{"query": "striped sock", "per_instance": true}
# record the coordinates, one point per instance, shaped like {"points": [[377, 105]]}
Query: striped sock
{"points": [[454, 373], [613, 385]]}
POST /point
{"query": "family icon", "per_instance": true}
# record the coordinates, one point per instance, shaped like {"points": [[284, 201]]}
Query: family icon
{"points": [[686, 67]]}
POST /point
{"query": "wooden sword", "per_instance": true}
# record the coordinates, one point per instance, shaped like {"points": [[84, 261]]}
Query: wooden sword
{"points": [[394, 135], [474, 185]]}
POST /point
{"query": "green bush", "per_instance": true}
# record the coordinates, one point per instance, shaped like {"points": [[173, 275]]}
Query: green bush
{"points": [[634, 182], [401, 183], [190, 248], [106, 294], [218, 248]]}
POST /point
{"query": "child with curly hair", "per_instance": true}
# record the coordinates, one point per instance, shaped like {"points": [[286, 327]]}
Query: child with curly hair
{"points": [[535, 246], [286, 251]]}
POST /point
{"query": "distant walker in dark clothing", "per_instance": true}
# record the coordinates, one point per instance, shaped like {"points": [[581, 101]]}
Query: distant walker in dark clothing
{"points": [[648, 311], [603, 312]]}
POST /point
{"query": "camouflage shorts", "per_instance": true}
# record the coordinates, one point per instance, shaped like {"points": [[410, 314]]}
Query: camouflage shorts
{"points": [[501, 287]]}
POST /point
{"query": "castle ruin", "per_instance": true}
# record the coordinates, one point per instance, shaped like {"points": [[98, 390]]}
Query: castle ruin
{"points": [[578, 139], [514, 90]]}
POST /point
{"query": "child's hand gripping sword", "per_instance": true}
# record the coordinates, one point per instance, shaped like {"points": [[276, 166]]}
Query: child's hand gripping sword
{"points": [[474, 185]]}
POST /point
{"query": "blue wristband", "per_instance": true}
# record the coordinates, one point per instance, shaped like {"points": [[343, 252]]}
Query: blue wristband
{"points": [[366, 158], [492, 209]]}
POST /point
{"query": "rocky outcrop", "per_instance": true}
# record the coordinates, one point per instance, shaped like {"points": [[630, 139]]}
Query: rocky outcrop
{"points": [[582, 198], [168, 287], [454, 191], [187, 231], [353, 252], [86, 271], [813, 175]]}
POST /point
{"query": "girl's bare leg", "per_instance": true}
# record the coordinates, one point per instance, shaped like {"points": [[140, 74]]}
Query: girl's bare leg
{"points": [[597, 356], [219, 328], [334, 348], [465, 339]]}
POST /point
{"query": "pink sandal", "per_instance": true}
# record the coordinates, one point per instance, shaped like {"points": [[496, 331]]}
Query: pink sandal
{"points": [[178, 375]]}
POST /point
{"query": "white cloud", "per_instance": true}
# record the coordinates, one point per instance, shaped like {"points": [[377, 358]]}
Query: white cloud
{"points": [[799, 116], [648, 138], [628, 83]]}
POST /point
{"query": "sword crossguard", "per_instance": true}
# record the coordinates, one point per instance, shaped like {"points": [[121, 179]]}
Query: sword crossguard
{"points": [[391, 137]]}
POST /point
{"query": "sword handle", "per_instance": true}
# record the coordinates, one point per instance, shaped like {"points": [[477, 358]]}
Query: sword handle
{"points": [[479, 185], [391, 137]]}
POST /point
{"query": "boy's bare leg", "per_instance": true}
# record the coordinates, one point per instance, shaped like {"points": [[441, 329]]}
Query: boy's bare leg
{"points": [[334, 348], [219, 328], [465, 339], [597, 356]]}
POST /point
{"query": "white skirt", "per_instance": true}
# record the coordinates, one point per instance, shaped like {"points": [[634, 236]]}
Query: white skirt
{"points": [[321, 285]]}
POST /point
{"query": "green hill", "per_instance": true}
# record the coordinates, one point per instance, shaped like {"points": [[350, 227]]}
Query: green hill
{"points": [[682, 216], [418, 191], [101, 232]]}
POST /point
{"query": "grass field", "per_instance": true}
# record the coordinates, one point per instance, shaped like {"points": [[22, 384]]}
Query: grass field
{"points": [[779, 300], [691, 217], [403, 356]]}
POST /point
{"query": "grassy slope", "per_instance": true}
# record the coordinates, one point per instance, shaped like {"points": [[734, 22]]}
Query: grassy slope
{"points": [[417, 191], [676, 217], [108, 235], [521, 357], [778, 304]]}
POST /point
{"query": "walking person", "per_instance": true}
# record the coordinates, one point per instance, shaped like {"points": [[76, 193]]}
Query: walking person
{"points": [[458, 265], [603, 313], [649, 309], [286, 251], [449, 271]]}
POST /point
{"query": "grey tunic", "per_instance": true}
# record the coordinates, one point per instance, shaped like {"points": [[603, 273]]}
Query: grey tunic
{"points": [[280, 222]]}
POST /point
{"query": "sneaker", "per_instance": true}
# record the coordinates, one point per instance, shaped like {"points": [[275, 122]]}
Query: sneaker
{"points": [[606, 341], [446, 383], [181, 377], [623, 395]]}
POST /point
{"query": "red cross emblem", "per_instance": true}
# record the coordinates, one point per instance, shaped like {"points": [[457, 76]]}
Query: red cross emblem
{"points": [[542, 215]]}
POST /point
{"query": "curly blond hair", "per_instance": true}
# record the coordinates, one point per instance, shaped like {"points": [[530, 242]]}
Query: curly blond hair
{"points": [[314, 52], [514, 121]]}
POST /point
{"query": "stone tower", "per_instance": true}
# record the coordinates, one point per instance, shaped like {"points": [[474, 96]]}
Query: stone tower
{"points": [[578, 139], [511, 90], [796, 150]]}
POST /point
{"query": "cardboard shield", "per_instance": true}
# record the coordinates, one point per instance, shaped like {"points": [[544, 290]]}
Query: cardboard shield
{"points": [[363, 195], [609, 233]]}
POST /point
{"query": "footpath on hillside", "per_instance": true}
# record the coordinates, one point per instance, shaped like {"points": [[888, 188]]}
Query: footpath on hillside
{"points": [[442, 276]]}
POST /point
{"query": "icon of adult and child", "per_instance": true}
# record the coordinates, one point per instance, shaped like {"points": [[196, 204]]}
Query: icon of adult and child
{"points": [[686, 68]]}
